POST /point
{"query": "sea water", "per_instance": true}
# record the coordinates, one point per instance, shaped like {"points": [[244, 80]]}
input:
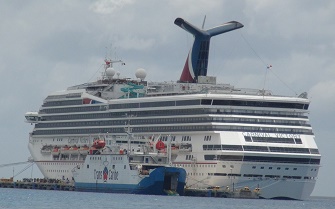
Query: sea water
{"points": [[26, 198]]}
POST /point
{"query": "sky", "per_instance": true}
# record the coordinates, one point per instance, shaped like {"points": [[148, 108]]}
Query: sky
{"points": [[46, 46]]}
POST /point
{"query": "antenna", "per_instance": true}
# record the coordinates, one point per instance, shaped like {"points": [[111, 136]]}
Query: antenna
{"points": [[203, 23]]}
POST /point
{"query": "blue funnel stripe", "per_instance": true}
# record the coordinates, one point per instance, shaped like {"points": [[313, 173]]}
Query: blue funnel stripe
{"points": [[197, 60]]}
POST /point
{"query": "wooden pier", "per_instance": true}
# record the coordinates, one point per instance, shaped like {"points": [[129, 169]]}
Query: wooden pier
{"points": [[42, 184], [61, 185]]}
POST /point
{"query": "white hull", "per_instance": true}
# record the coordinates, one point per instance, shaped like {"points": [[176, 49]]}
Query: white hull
{"points": [[200, 172], [221, 135], [279, 188]]}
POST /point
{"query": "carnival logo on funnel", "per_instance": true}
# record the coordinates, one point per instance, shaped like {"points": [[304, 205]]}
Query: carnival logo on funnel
{"points": [[197, 60]]}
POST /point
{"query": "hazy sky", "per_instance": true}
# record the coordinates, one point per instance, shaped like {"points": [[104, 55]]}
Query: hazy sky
{"points": [[47, 46]]}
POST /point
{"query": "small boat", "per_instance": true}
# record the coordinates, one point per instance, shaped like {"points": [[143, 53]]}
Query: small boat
{"points": [[113, 170]]}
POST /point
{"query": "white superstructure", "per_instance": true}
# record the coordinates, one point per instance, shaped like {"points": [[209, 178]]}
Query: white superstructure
{"points": [[221, 135]]}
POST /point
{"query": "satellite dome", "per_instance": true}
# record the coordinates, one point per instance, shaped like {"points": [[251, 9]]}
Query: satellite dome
{"points": [[140, 73], [110, 72]]}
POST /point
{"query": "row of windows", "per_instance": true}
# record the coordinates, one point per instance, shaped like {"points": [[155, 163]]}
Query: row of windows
{"points": [[193, 165], [113, 166], [126, 142], [99, 158], [189, 157], [270, 113], [119, 106], [84, 108], [62, 103], [166, 138], [173, 129], [134, 121], [181, 103], [260, 149], [244, 175], [279, 168], [255, 104], [154, 104], [259, 176], [208, 102], [198, 111], [58, 171], [263, 159], [57, 163], [260, 121], [186, 138], [64, 96], [222, 147], [273, 140], [207, 138]]}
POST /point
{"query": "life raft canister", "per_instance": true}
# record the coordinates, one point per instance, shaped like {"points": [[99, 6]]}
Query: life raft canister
{"points": [[160, 145]]}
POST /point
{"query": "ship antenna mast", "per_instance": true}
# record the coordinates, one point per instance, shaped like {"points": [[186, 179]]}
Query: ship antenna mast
{"points": [[203, 23], [109, 61]]}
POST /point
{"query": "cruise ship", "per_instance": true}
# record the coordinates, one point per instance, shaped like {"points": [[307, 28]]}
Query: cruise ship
{"points": [[221, 135]]}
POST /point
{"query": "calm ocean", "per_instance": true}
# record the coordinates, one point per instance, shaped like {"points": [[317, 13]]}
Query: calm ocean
{"points": [[21, 198]]}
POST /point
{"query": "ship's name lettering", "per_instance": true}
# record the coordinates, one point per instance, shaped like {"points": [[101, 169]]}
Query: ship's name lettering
{"points": [[276, 135], [256, 134], [287, 135], [112, 175]]}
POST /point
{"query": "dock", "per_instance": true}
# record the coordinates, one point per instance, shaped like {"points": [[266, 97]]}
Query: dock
{"points": [[61, 185], [41, 184], [244, 193]]}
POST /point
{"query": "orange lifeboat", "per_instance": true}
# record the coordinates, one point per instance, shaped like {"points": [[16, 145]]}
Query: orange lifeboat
{"points": [[98, 144], [55, 151], [73, 150], [65, 150]]}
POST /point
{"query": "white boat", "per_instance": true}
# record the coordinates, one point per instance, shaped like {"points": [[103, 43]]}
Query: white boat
{"points": [[113, 170], [223, 135]]}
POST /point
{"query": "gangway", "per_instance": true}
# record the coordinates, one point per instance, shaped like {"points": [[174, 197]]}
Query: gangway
{"points": [[18, 163], [30, 162]]}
